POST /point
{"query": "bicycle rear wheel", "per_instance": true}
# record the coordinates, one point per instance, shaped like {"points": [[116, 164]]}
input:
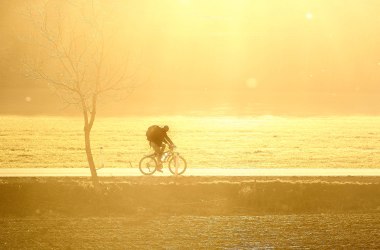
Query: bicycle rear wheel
{"points": [[180, 163], [148, 165]]}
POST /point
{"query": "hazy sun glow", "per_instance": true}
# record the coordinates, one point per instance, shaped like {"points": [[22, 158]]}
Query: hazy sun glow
{"points": [[265, 56]]}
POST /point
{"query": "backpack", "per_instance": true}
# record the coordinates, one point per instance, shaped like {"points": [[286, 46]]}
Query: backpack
{"points": [[153, 132]]}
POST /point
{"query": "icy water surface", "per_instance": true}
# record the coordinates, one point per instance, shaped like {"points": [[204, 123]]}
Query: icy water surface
{"points": [[206, 142], [319, 231]]}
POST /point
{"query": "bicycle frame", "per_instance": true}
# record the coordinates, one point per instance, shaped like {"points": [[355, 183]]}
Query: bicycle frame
{"points": [[170, 153]]}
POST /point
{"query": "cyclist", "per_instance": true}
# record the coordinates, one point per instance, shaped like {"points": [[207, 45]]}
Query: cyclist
{"points": [[157, 138]]}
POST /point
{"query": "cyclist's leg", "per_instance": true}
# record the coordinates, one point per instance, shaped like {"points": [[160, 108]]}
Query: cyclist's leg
{"points": [[157, 150], [163, 146]]}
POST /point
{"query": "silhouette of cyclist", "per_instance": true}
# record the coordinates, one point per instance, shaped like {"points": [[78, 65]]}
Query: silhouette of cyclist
{"points": [[158, 138]]}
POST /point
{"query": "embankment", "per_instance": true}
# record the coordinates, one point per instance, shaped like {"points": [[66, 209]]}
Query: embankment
{"points": [[121, 196]]}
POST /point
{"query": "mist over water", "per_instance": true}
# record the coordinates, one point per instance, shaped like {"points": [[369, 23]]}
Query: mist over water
{"points": [[205, 142]]}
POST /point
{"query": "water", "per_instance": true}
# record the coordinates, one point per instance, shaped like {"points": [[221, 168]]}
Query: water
{"points": [[206, 142], [305, 231]]}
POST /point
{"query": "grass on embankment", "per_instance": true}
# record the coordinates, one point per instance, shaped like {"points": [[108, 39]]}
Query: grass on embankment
{"points": [[184, 196]]}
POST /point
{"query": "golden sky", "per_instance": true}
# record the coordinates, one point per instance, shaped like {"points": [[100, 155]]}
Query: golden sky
{"points": [[224, 57]]}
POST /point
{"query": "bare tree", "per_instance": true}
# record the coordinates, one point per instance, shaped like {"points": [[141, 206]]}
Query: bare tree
{"points": [[75, 53]]}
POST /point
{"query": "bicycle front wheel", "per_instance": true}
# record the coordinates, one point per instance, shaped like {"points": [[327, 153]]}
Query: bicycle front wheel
{"points": [[148, 165], [178, 162]]}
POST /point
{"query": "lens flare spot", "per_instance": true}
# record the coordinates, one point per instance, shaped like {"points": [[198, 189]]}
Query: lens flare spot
{"points": [[28, 99], [251, 83], [309, 16]]}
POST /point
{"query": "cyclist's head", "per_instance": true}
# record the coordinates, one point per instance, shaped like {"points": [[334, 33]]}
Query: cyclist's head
{"points": [[166, 128]]}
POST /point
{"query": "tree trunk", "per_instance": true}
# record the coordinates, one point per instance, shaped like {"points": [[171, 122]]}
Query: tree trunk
{"points": [[90, 159]]}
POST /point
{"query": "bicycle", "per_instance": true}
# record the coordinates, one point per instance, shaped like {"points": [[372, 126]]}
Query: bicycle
{"points": [[177, 164]]}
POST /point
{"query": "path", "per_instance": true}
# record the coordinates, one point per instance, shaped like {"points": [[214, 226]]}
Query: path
{"points": [[61, 172]]}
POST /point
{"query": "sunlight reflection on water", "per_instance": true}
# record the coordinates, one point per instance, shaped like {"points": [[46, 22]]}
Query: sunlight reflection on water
{"points": [[206, 142]]}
